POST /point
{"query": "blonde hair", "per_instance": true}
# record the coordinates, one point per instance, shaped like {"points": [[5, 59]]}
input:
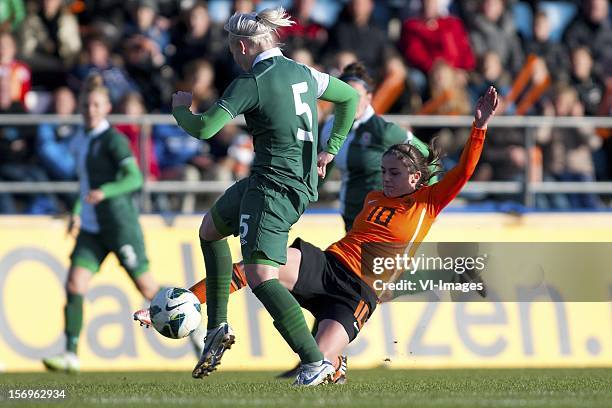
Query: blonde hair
{"points": [[93, 83], [260, 28]]}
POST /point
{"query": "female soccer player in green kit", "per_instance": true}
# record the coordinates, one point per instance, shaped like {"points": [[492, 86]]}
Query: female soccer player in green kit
{"points": [[278, 99], [359, 157], [105, 216]]}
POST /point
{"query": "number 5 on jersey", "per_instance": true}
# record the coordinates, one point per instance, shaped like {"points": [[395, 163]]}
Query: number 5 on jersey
{"points": [[301, 108], [244, 228]]}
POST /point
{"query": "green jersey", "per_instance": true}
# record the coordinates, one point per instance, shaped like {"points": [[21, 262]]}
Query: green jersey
{"points": [[100, 154], [359, 158], [278, 98]]}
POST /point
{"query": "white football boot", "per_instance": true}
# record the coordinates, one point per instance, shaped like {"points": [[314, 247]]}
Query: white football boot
{"points": [[311, 374], [217, 340], [67, 362]]}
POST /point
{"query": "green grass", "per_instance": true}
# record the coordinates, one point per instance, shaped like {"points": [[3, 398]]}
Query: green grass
{"points": [[371, 388]]}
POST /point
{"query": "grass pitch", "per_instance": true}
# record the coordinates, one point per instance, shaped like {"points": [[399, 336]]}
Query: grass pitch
{"points": [[378, 388]]}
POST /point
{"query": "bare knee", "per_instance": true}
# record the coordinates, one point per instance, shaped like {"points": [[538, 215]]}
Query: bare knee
{"points": [[78, 280], [257, 274], [208, 230]]}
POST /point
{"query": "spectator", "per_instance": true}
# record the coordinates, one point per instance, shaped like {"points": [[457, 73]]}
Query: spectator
{"points": [[143, 64], [50, 43], [303, 56], [504, 158], [305, 33], [195, 37], [17, 157], [201, 77], [589, 87], [553, 53], [355, 32], [54, 141], [448, 93], [340, 61], [337, 64], [15, 72], [605, 109], [430, 37], [493, 30], [103, 16], [181, 157], [232, 151], [98, 60], [528, 89], [592, 29], [240, 155], [12, 13], [567, 152], [151, 27], [490, 72], [244, 6], [133, 105]]}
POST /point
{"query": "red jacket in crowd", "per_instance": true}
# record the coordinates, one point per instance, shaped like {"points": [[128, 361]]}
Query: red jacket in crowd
{"points": [[424, 41]]}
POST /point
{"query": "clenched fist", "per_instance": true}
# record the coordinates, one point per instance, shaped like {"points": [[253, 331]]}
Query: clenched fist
{"points": [[181, 98]]}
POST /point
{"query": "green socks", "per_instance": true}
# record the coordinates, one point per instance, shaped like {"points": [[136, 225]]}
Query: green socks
{"points": [[73, 314], [218, 262], [288, 319]]}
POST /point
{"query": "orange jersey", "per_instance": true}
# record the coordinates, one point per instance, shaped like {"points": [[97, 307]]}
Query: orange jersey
{"points": [[405, 220]]}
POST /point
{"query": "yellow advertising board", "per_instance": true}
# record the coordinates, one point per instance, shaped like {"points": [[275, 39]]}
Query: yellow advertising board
{"points": [[34, 257]]}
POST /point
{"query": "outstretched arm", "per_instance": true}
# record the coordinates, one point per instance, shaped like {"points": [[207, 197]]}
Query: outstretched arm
{"points": [[444, 191]]}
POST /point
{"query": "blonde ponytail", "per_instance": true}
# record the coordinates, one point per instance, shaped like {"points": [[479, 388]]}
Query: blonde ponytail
{"points": [[259, 28]]}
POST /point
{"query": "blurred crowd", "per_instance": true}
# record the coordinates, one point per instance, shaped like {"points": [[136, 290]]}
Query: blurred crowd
{"points": [[550, 58]]}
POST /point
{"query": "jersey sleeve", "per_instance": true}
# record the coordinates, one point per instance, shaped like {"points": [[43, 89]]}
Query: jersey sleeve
{"points": [[325, 132], [443, 192], [322, 80], [119, 148], [345, 99], [396, 135], [240, 96], [202, 126]]}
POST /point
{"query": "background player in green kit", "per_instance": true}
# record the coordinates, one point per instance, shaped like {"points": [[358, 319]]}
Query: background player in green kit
{"points": [[278, 99], [359, 157], [104, 216]]}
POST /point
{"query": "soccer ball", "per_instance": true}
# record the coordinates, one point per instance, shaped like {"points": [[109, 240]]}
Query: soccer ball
{"points": [[175, 312]]}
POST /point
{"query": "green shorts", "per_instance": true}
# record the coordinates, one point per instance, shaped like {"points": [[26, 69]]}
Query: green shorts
{"points": [[127, 244], [261, 213]]}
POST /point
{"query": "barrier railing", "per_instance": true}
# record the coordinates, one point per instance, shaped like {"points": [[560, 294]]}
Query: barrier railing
{"points": [[527, 188]]}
